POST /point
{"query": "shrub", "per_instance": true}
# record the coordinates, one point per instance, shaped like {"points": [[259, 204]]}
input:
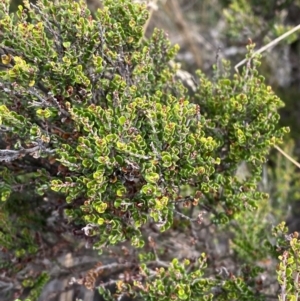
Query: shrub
{"points": [[94, 114]]}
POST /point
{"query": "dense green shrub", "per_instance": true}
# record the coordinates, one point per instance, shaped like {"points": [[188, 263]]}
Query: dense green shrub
{"points": [[93, 112]]}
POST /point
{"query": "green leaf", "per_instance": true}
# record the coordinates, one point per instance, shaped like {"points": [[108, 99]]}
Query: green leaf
{"points": [[122, 120], [152, 177]]}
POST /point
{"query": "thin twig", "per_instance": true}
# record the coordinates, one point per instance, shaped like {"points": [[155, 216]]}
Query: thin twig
{"points": [[287, 156], [266, 47], [113, 265]]}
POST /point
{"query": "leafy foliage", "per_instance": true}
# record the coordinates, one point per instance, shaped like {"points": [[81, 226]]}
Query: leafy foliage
{"points": [[93, 112], [288, 268]]}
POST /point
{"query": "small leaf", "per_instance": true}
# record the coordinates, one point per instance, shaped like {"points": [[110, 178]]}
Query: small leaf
{"points": [[152, 177], [67, 44], [6, 59], [31, 83], [122, 120], [100, 221]]}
